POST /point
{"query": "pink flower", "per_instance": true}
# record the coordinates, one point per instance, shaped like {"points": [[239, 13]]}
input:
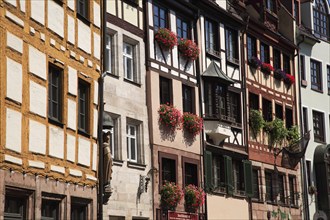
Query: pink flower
{"points": [[192, 123], [166, 38], [188, 48]]}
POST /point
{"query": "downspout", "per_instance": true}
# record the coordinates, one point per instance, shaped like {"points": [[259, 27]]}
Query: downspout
{"points": [[101, 109]]}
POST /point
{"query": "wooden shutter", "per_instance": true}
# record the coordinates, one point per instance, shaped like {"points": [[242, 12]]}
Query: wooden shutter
{"points": [[248, 180], [229, 174], [208, 170]]}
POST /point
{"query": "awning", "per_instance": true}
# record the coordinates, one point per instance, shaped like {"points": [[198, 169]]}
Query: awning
{"points": [[213, 70]]}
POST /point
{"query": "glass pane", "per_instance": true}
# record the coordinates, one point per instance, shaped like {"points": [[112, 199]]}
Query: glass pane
{"points": [[132, 130], [129, 68], [128, 49], [133, 151]]}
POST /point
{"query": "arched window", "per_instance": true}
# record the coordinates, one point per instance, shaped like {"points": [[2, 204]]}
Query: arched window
{"points": [[321, 19]]}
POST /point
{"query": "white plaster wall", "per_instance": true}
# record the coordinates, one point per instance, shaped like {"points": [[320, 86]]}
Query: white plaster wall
{"points": [[12, 2], [111, 7], [71, 30], [84, 152], [14, 80], [130, 14], [94, 156], [97, 15], [14, 42], [38, 11], [37, 137], [71, 4], [70, 147], [56, 142], [72, 118], [95, 117], [96, 92], [14, 18], [13, 130], [97, 42], [84, 37], [37, 61], [38, 99], [72, 81], [22, 5], [55, 18]]}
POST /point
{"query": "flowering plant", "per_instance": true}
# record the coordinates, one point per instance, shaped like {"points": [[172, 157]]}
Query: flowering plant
{"points": [[255, 62], [194, 197], [188, 49], [192, 123], [166, 38], [289, 79], [169, 116], [170, 196], [279, 74], [266, 68]]}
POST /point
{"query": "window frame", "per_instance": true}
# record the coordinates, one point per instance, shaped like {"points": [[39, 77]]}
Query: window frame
{"points": [[328, 77], [282, 187], [267, 110], [269, 188], [109, 54], [302, 67], [321, 19], [316, 75], [211, 36], [264, 53], [57, 209], [81, 202], [129, 137], [277, 63], [162, 93], [256, 185], [320, 128], [188, 99], [288, 117], [59, 86], [82, 84], [173, 157], [253, 102], [251, 44], [231, 39], [158, 18], [292, 190], [132, 57], [19, 194], [85, 10], [218, 172], [286, 63], [191, 161], [279, 111], [180, 31], [305, 119]]}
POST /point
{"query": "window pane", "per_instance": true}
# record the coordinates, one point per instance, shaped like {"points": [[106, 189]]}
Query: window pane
{"points": [[133, 152], [168, 170]]}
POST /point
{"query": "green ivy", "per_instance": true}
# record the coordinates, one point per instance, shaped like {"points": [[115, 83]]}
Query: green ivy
{"points": [[293, 135], [276, 132], [256, 122]]}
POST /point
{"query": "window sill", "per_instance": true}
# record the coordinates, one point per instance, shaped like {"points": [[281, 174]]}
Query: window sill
{"points": [[303, 83], [117, 162], [214, 54], [233, 61], [112, 75], [318, 90], [132, 82], [83, 133], [257, 200], [319, 141], [137, 166], [55, 122], [83, 19]]}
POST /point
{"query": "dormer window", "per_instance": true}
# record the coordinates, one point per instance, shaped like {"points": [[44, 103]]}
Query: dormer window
{"points": [[320, 17]]}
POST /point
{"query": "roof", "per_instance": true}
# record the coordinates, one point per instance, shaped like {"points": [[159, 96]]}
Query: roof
{"points": [[213, 70]]}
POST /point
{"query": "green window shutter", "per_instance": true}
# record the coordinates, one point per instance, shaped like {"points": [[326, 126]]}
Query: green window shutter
{"points": [[248, 180], [208, 170], [229, 175]]}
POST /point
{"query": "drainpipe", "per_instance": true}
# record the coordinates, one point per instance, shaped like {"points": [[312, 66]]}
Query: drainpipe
{"points": [[101, 109]]}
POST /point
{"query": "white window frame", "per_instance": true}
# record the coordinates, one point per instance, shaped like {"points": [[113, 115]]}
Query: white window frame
{"points": [[129, 147], [112, 142], [108, 53], [127, 56]]}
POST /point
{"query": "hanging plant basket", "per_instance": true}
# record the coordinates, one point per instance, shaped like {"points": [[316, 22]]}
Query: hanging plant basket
{"points": [[254, 62], [266, 68], [279, 74], [289, 79], [192, 123], [188, 49], [256, 122], [194, 197], [170, 196], [169, 116], [165, 38]]}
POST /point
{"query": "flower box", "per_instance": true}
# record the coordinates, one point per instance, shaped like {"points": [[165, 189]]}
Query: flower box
{"points": [[170, 196], [169, 116], [279, 74], [166, 38], [289, 79], [255, 62], [188, 49], [194, 198], [266, 68], [192, 123]]}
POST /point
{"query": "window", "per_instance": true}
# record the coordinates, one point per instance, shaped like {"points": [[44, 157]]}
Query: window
{"points": [[234, 107], [296, 11], [238, 177], [188, 99], [251, 47], [232, 45], [305, 119], [182, 28], [279, 111], [131, 135], [309, 172], [286, 64], [318, 126], [320, 18], [190, 174], [267, 109], [160, 19], [302, 67], [255, 179], [168, 169], [55, 89], [15, 207], [316, 75], [165, 89], [270, 5], [128, 55], [113, 136], [269, 186], [218, 175], [109, 56], [328, 75], [292, 190], [83, 106], [253, 101], [215, 99], [82, 8], [50, 209], [264, 53], [276, 59], [79, 209], [210, 36], [281, 189], [288, 118]]}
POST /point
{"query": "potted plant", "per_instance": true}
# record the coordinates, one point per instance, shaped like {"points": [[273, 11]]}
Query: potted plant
{"points": [[255, 62], [194, 197], [279, 74], [169, 116], [192, 123], [276, 132], [166, 38], [266, 68], [170, 196], [289, 79], [256, 122], [188, 49]]}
